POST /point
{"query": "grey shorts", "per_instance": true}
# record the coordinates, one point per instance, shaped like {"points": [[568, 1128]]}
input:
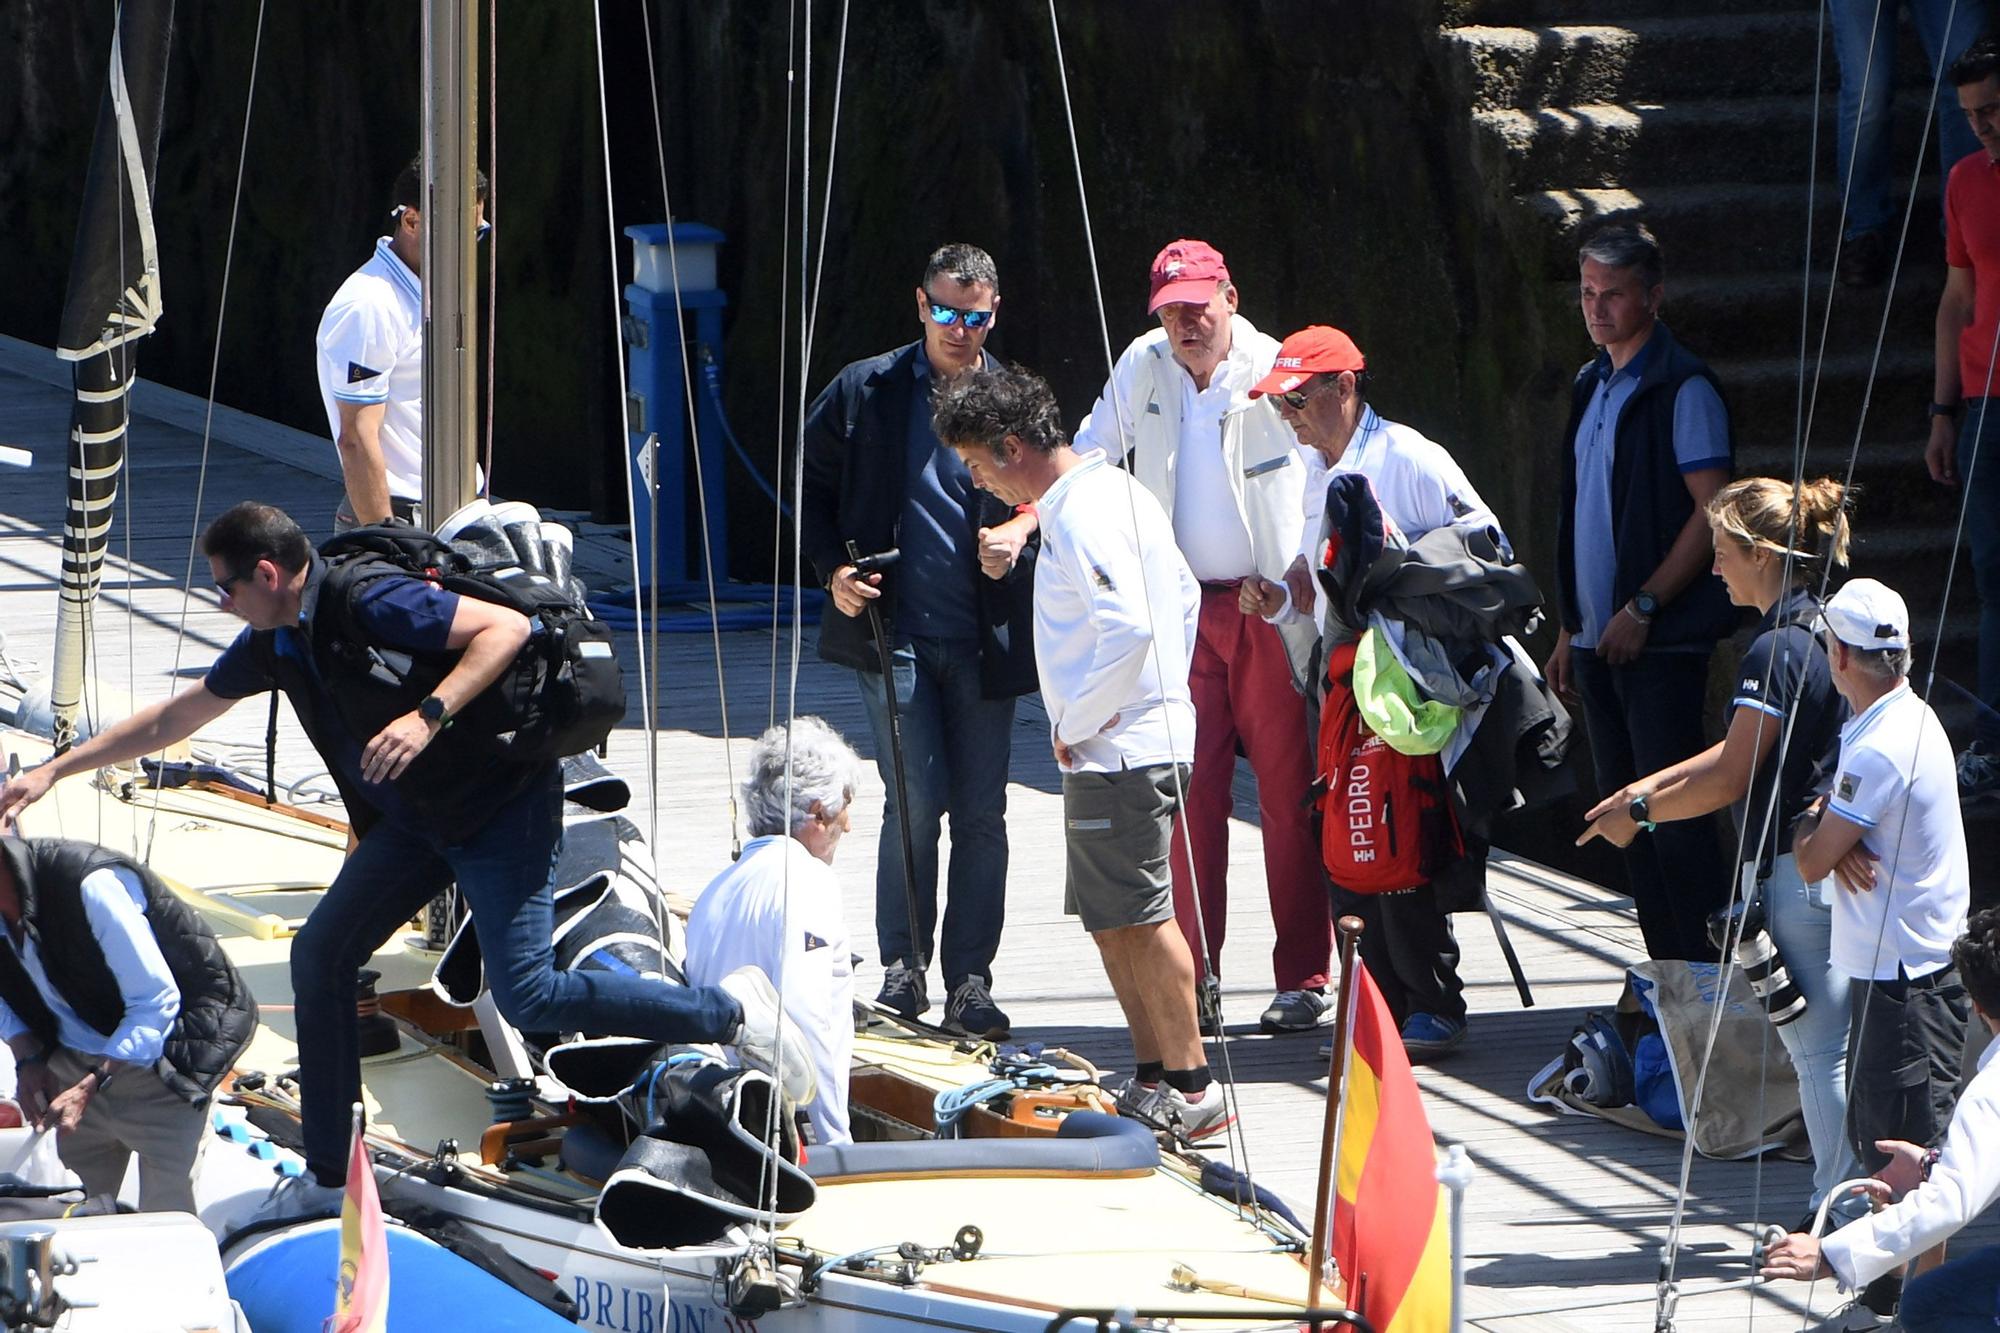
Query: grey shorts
{"points": [[1119, 830]]}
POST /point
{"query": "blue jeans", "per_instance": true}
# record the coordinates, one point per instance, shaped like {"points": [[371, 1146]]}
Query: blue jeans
{"points": [[955, 749], [503, 873], [1868, 91], [1801, 925], [1957, 1297], [1979, 473], [1642, 717]]}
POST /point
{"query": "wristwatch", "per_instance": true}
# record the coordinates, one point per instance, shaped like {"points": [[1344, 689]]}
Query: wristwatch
{"points": [[1645, 604], [1641, 815], [1937, 409], [432, 710]]}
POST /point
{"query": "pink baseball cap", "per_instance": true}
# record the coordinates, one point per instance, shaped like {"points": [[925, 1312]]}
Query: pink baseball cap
{"points": [[1186, 271]]}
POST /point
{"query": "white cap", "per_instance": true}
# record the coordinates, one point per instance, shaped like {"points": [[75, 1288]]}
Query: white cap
{"points": [[1867, 613]]}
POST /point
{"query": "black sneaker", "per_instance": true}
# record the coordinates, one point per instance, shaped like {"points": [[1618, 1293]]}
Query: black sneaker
{"points": [[971, 1010], [1864, 260], [904, 991]]}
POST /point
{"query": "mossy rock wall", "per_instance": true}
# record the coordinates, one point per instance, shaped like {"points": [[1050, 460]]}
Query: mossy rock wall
{"points": [[1318, 144]]}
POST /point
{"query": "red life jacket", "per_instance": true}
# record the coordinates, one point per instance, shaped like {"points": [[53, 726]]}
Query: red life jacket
{"points": [[1386, 818]]}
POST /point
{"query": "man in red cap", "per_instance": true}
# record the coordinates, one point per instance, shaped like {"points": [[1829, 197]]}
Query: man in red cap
{"points": [[1225, 469], [1318, 383]]}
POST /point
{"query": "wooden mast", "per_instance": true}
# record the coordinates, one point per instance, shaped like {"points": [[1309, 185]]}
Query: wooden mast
{"points": [[1349, 928], [451, 77]]}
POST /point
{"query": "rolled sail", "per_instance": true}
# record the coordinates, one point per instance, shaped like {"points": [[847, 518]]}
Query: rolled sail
{"points": [[113, 298]]}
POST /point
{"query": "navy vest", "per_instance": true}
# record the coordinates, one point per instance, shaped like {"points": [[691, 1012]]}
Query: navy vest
{"points": [[217, 1014]]}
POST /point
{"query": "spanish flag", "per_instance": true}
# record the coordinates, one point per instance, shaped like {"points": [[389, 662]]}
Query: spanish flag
{"points": [[362, 1290], [1391, 1228]]}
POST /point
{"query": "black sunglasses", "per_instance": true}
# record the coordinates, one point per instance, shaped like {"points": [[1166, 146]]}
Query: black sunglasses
{"points": [[948, 315], [224, 584], [1296, 399]]}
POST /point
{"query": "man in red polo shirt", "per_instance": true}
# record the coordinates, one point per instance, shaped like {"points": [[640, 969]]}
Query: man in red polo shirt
{"points": [[1965, 398]]}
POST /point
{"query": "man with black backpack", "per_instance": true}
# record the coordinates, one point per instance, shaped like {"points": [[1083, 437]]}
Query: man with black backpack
{"points": [[378, 669]]}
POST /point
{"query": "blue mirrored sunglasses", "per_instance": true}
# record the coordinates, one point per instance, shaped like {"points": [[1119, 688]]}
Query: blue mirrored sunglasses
{"points": [[949, 315]]}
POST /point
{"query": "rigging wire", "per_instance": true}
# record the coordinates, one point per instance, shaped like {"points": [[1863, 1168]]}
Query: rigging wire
{"points": [[1671, 1248], [784, 314], [700, 479], [492, 218], [646, 662], [1236, 1137], [214, 372]]}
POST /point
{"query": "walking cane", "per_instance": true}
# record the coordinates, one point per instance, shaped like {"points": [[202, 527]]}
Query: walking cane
{"points": [[865, 565]]}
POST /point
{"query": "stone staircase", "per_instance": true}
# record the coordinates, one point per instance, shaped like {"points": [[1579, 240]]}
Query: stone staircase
{"points": [[1698, 117]]}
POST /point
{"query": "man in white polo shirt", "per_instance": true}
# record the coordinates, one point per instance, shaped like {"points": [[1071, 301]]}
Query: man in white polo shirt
{"points": [[371, 366], [1895, 797], [1115, 613]]}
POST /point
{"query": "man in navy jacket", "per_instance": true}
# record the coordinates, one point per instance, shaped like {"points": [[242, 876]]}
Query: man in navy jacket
{"points": [[957, 609]]}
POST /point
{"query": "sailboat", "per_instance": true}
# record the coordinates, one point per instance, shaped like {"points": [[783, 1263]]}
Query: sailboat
{"points": [[1020, 1207]]}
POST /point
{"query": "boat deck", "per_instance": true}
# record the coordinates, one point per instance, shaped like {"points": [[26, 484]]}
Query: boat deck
{"points": [[1566, 1217]]}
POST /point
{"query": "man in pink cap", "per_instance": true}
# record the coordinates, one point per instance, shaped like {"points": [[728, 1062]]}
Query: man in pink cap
{"points": [[1319, 384], [1226, 470]]}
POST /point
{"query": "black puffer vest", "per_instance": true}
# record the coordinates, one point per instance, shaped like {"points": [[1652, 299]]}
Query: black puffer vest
{"points": [[217, 1014]]}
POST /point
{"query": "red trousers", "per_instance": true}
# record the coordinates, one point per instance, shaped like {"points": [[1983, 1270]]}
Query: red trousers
{"points": [[1241, 681]]}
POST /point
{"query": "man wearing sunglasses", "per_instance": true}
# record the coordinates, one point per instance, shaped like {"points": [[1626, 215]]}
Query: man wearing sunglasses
{"points": [[371, 365], [1226, 470], [958, 611], [1319, 384]]}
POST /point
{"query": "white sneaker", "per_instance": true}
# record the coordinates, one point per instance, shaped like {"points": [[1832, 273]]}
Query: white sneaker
{"points": [[757, 1040], [296, 1199], [1134, 1097], [1192, 1118]]}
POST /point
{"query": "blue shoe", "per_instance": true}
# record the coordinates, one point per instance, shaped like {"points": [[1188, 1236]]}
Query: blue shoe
{"points": [[1427, 1036]]}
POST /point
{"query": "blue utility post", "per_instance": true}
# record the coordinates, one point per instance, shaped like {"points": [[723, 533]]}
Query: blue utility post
{"points": [[654, 332]]}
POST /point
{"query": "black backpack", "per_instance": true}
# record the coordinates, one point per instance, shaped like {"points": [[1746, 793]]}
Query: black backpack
{"points": [[562, 694]]}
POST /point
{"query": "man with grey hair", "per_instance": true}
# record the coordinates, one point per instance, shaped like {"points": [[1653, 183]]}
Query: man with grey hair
{"points": [[1115, 612], [778, 908], [1648, 446], [955, 609], [1895, 798]]}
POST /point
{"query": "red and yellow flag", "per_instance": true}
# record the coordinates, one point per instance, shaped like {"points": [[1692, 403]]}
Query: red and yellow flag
{"points": [[362, 1290], [1391, 1227]]}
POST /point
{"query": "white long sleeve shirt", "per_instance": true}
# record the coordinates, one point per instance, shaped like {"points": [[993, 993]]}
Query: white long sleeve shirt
{"points": [[778, 909], [1964, 1182], [1115, 613], [114, 902]]}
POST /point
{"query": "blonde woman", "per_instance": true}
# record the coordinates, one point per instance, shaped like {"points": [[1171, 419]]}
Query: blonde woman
{"points": [[1771, 545]]}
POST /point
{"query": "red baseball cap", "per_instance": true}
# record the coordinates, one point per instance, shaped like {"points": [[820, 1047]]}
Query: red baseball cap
{"points": [[1186, 271], [1317, 350]]}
